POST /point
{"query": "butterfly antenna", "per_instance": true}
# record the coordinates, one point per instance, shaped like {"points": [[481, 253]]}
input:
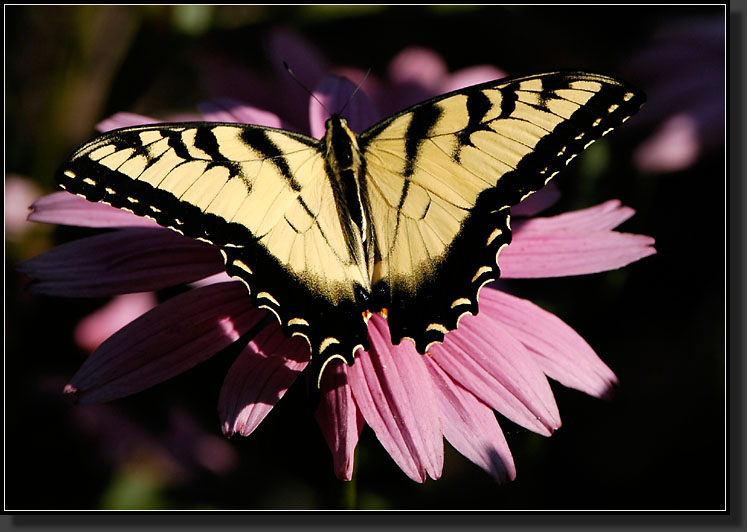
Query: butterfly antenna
{"points": [[304, 87], [357, 88]]}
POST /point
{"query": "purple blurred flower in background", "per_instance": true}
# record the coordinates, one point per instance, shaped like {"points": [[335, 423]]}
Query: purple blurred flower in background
{"points": [[19, 193], [499, 360], [683, 73]]}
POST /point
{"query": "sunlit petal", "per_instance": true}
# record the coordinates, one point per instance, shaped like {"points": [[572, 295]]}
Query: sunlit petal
{"points": [[259, 378], [574, 243], [471, 76], [122, 119], [471, 426], [68, 209], [533, 255], [484, 358], [559, 350], [340, 419], [394, 391]]}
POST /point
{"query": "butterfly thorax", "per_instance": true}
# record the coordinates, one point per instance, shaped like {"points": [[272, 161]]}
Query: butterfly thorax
{"points": [[344, 169]]}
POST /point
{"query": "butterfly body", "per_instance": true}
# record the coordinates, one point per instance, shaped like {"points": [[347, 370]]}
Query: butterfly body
{"points": [[406, 218]]}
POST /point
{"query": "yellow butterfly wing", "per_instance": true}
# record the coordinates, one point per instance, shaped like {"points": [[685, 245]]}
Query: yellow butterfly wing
{"points": [[262, 195], [440, 178]]}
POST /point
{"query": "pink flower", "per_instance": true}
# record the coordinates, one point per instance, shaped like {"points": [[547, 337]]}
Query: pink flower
{"points": [[498, 360], [19, 193], [684, 73]]}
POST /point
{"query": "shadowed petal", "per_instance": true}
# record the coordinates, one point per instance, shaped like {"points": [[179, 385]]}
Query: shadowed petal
{"points": [[484, 358], [308, 65], [259, 378], [561, 352], [394, 391], [340, 419], [221, 77], [471, 426], [544, 198], [68, 209], [171, 338], [121, 262]]}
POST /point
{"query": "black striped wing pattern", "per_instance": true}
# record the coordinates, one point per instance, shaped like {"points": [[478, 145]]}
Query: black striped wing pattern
{"points": [[436, 184], [261, 195], [442, 175]]}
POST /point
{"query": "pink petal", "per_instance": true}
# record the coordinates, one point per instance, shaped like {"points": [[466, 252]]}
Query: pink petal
{"points": [[419, 66], [259, 378], [340, 419], [674, 146], [393, 390], [533, 255], [68, 209], [602, 217], [471, 427], [230, 110], [171, 338], [372, 86], [573, 243], [121, 262], [20, 192], [335, 93], [415, 75], [561, 352], [120, 120], [484, 358], [92, 330], [220, 277], [471, 76]]}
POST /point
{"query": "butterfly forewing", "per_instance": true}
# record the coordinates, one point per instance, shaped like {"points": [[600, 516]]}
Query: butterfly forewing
{"points": [[442, 175], [260, 194]]}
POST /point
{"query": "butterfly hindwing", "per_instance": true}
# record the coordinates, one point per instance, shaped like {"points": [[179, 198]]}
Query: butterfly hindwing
{"points": [[261, 195], [441, 176]]}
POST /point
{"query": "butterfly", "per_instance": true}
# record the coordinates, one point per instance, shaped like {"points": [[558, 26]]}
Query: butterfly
{"points": [[405, 219]]}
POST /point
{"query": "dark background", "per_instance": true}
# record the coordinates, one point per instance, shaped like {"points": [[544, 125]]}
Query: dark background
{"points": [[659, 444]]}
